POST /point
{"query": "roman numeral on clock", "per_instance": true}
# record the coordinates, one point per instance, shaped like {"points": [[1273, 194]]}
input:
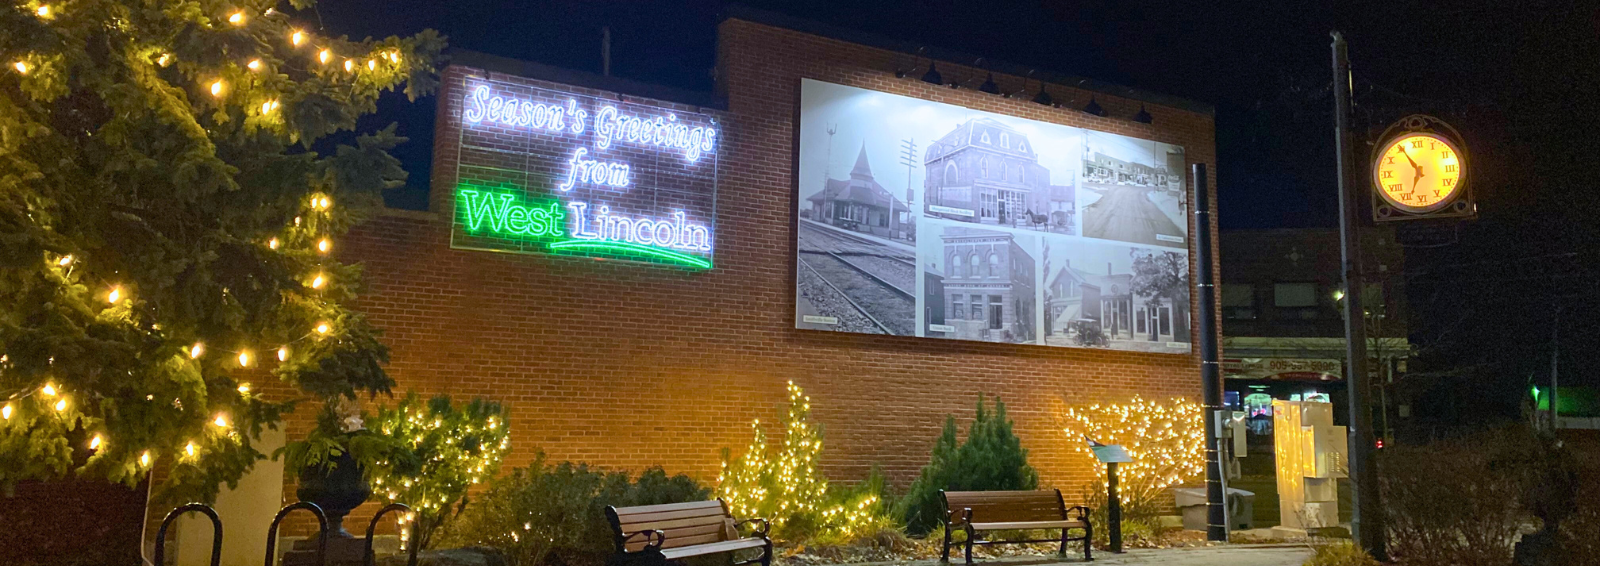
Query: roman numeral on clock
{"points": [[1388, 174]]}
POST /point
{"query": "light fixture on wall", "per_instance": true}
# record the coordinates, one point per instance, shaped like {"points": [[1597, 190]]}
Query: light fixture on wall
{"points": [[988, 85], [1143, 117], [932, 76], [1094, 107], [1043, 97]]}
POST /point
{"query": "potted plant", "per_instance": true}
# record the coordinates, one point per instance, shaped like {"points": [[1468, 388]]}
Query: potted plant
{"points": [[335, 460]]}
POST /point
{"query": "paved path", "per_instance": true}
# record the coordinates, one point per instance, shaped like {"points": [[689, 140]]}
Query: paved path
{"points": [[1125, 214], [1235, 555]]}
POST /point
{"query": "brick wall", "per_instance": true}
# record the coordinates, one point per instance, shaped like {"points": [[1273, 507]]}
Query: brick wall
{"points": [[627, 366]]}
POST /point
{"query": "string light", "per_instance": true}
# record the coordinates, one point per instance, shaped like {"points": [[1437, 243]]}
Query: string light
{"points": [[349, 65], [272, 244], [267, 108], [323, 328], [317, 282], [163, 59], [244, 388], [236, 19], [254, 64], [6, 412], [216, 88], [324, 245], [65, 260], [61, 405], [325, 56], [189, 449], [21, 67], [221, 420], [43, 11], [244, 358], [197, 350], [283, 354], [297, 38], [144, 459], [115, 295], [372, 64], [48, 390], [95, 443]]}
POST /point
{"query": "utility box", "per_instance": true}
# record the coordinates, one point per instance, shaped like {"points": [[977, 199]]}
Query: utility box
{"points": [[1191, 503], [1311, 456]]}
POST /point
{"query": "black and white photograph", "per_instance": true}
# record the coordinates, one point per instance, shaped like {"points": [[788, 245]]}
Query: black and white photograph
{"points": [[980, 284], [1132, 190], [1106, 295]]}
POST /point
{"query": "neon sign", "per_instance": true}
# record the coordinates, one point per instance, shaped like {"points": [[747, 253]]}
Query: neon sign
{"points": [[558, 172]]}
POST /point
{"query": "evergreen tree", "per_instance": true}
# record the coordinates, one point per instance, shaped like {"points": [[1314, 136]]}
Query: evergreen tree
{"points": [[166, 228], [991, 459]]}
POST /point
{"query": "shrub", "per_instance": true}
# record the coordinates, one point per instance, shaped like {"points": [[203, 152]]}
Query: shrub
{"points": [[991, 458], [1167, 442], [1342, 553], [789, 490], [1457, 501], [555, 515], [439, 451]]}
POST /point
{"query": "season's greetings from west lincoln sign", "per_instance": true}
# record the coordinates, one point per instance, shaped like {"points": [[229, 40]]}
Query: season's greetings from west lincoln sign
{"points": [[547, 171]]}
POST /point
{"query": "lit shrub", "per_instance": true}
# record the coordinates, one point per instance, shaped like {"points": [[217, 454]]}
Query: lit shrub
{"points": [[1166, 440], [788, 489], [990, 459], [438, 451]]}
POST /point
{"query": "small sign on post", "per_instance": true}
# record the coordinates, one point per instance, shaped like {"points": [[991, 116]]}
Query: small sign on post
{"points": [[1111, 455]]}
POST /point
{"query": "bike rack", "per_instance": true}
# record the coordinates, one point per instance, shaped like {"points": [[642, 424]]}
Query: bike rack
{"points": [[367, 556], [216, 533], [272, 532]]}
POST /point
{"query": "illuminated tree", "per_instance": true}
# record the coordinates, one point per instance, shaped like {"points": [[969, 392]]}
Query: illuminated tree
{"points": [[788, 488], [166, 229], [439, 452], [1166, 440]]}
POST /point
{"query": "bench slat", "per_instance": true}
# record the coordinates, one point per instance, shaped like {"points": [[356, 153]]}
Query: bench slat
{"points": [[675, 524], [687, 533], [707, 538], [1028, 525], [713, 548], [666, 507], [633, 518]]}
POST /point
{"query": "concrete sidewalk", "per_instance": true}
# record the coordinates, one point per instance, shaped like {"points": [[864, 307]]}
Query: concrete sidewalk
{"points": [[1231, 555]]}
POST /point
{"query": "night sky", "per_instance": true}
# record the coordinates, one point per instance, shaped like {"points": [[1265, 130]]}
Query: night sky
{"points": [[1520, 80]]}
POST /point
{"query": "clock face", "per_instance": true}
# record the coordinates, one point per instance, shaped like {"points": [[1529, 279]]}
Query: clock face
{"points": [[1418, 172]]}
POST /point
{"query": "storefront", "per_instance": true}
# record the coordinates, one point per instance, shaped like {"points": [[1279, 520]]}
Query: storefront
{"points": [[637, 272]]}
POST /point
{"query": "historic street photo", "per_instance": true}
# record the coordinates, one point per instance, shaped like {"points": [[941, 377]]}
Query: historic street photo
{"points": [[980, 284], [1132, 190], [1107, 295]]}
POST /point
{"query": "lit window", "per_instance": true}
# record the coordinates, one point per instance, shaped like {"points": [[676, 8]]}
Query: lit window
{"points": [[1292, 295]]}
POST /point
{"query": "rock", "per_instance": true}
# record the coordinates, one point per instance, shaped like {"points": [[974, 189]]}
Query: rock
{"points": [[472, 556]]}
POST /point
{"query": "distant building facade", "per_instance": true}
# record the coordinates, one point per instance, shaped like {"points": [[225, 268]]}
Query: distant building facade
{"points": [[984, 171], [1076, 295], [1282, 322], [861, 204], [988, 286]]}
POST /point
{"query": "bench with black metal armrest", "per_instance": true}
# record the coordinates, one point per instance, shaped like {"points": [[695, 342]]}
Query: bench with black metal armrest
{"points": [[986, 511], [683, 530]]}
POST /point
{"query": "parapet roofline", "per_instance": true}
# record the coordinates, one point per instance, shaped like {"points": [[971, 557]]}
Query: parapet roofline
{"points": [[540, 71], [910, 49]]}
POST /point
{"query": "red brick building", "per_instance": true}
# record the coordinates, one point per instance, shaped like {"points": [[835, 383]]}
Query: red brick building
{"points": [[626, 365]]}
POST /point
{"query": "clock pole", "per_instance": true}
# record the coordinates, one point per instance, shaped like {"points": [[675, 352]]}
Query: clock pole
{"points": [[1367, 516]]}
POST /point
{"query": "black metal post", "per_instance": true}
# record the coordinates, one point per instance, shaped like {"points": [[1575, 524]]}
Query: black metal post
{"points": [[1210, 368], [1114, 508], [1366, 517]]}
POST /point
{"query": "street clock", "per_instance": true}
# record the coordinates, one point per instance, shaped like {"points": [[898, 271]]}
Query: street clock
{"points": [[1419, 171]]}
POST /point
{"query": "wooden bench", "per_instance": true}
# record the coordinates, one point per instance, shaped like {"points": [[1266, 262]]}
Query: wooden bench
{"points": [[980, 511], [682, 530]]}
